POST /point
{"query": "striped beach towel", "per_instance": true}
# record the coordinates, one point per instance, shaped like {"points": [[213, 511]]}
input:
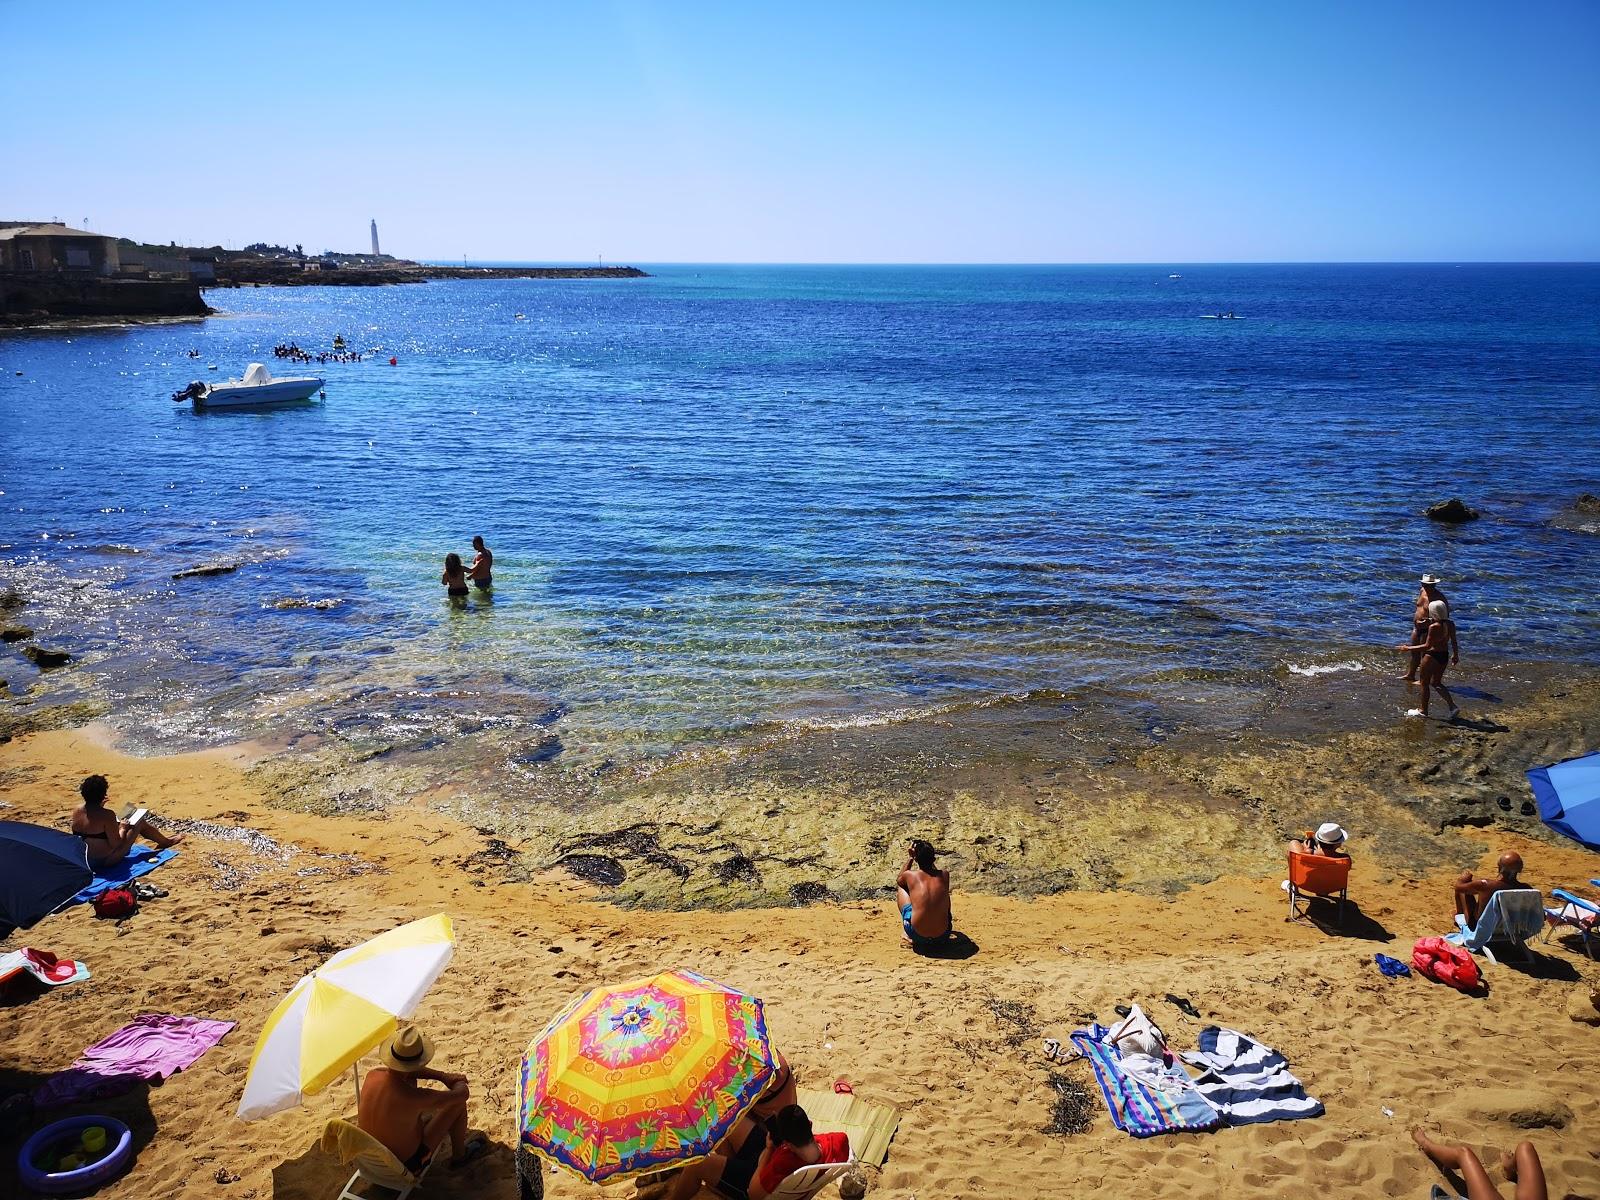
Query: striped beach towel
{"points": [[1137, 1105], [1246, 1082]]}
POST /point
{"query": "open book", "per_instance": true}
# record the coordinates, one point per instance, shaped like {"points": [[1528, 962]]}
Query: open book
{"points": [[134, 815]]}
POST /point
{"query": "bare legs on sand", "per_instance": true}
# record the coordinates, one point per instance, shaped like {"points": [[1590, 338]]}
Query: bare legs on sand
{"points": [[1521, 1167]]}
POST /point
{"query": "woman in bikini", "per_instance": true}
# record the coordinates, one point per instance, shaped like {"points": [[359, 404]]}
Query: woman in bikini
{"points": [[1438, 648], [107, 839], [454, 577]]}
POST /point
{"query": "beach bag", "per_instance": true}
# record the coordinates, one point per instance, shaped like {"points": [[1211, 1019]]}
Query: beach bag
{"points": [[116, 903], [1444, 963], [1137, 1034]]}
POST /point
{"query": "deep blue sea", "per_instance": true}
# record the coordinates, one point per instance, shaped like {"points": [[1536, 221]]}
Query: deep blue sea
{"points": [[725, 499]]}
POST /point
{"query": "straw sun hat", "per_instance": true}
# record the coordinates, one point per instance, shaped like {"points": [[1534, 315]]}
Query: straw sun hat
{"points": [[408, 1050]]}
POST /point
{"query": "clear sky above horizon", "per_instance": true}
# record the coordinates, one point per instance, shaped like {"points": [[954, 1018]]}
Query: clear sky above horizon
{"points": [[822, 132]]}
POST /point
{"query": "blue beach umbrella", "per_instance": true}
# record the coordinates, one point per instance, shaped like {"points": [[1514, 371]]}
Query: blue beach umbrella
{"points": [[1569, 797], [40, 869]]}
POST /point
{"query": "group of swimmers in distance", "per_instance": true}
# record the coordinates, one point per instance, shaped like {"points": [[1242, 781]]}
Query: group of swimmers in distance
{"points": [[480, 574]]}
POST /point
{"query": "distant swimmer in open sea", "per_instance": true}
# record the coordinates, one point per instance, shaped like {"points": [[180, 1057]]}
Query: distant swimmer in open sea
{"points": [[481, 572], [454, 577], [1419, 621], [1437, 647], [923, 894]]}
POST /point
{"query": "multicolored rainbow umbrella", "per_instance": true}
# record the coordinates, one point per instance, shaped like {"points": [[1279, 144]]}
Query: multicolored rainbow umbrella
{"points": [[629, 1078]]}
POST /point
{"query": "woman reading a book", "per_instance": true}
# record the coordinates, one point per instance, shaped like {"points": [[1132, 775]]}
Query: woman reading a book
{"points": [[107, 836]]}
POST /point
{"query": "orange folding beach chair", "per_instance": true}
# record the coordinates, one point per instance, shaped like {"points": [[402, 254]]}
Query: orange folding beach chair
{"points": [[1316, 875]]}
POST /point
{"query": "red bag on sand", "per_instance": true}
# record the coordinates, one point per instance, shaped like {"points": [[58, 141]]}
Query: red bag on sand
{"points": [[1441, 961], [116, 903]]}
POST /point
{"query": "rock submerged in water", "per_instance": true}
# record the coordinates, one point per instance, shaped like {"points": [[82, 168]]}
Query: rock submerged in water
{"points": [[294, 602], [46, 659], [1581, 516], [15, 633], [1452, 512], [11, 600], [205, 569]]}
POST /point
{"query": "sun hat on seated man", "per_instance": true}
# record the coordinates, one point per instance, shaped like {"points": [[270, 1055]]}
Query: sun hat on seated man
{"points": [[1430, 577], [408, 1050], [1330, 834]]}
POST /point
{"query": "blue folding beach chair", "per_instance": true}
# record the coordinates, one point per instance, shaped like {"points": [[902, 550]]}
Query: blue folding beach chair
{"points": [[1575, 913], [1512, 918]]}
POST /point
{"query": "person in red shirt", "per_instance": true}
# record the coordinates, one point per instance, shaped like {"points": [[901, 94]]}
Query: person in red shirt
{"points": [[791, 1145], [748, 1165]]}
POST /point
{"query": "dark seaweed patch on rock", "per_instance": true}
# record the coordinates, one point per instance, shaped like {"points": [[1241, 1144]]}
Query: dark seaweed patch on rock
{"points": [[642, 841], [809, 892], [599, 869], [496, 854], [740, 868]]}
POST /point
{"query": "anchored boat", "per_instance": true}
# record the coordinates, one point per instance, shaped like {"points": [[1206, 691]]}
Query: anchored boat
{"points": [[257, 388]]}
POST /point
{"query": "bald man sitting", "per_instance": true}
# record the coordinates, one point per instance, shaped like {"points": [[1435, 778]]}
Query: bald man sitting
{"points": [[1472, 894]]}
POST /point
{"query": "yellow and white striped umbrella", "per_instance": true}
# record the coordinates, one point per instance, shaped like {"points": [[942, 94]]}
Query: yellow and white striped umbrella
{"points": [[342, 1010]]}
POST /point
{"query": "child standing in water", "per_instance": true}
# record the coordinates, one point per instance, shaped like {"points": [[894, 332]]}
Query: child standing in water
{"points": [[454, 577]]}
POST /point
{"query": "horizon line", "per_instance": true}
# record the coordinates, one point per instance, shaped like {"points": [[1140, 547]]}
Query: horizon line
{"points": [[1244, 262]]}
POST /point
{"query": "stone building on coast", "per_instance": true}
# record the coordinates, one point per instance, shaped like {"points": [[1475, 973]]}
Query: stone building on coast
{"points": [[51, 248]]}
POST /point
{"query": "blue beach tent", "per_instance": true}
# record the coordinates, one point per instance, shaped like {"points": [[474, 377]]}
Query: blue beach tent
{"points": [[1569, 797]]}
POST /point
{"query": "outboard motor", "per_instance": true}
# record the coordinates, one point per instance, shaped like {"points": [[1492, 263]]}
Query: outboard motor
{"points": [[194, 391]]}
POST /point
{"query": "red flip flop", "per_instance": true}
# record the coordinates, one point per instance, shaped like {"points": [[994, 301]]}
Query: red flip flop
{"points": [[842, 1086]]}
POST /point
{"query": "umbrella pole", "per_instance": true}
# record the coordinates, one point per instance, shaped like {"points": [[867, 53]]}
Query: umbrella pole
{"points": [[355, 1075]]}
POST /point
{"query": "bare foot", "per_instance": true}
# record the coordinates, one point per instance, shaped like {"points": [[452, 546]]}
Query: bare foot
{"points": [[169, 841]]}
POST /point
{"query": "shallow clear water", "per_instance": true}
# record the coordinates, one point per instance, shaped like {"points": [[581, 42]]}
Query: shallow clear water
{"points": [[724, 498]]}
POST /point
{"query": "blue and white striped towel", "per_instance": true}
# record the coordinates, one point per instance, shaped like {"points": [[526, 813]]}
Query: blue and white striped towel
{"points": [[1246, 1082]]}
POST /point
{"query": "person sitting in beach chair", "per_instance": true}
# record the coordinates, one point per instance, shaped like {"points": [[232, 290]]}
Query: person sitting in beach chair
{"points": [[754, 1160], [923, 894], [411, 1121], [1472, 894], [1511, 919], [1328, 841], [107, 838]]}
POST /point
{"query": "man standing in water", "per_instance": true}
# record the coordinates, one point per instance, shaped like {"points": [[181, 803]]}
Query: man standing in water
{"points": [[923, 893], [481, 572], [1419, 621]]}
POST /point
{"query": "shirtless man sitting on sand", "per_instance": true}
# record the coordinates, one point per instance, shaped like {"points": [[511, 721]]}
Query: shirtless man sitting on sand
{"points": [[1472, 894], [107, 839], [413, 1121], [923, 894]]}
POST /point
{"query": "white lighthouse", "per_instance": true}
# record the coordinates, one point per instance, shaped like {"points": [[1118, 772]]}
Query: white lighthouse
{"points": [[375, 249]]}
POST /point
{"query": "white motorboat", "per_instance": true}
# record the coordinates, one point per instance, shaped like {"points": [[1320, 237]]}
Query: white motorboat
{"points": [[257, 388]]}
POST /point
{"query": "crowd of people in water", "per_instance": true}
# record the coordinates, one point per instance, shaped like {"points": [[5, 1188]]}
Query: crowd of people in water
{"points": [[292, 352]]}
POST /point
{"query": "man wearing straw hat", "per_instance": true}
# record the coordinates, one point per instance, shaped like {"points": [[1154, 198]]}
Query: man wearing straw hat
{"points": [[413, 1121]]}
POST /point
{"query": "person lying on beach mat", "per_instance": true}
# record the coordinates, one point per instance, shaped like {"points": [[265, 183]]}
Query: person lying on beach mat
{"points": [[108, 838], [923, 894], [413, 1121]]}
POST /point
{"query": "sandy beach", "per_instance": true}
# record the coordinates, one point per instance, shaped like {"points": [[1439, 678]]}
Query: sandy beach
{"points": [[954, 1044]]}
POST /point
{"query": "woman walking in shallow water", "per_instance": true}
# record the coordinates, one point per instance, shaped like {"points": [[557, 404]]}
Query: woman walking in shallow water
{"points": [[1437, 647]]}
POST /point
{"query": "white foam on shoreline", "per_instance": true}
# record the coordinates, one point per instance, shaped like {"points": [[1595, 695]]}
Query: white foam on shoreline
{"points": [[1324, 668]]}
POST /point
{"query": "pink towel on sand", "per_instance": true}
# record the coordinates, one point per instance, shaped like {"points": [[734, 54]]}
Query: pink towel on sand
{"points": [[151, 1047]]}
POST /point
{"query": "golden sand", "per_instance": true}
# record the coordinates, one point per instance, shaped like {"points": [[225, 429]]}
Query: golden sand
{"points": [[955, 1045]]}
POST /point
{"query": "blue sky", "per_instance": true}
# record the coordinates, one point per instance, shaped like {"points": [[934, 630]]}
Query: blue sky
{"points": [[817, 132]]}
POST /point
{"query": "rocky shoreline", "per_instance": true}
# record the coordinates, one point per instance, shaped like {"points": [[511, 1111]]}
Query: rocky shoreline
{"points": [[269, 273]]}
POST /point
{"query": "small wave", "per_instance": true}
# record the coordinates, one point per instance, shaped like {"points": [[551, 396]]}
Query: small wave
{"points": [[1324, 668]]}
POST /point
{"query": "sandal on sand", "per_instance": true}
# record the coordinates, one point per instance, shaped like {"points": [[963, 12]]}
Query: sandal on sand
{"points": [[477, 1146]]}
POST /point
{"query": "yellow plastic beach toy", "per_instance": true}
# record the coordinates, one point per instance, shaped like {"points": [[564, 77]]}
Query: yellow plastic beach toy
{"points": [[94, 1140]]}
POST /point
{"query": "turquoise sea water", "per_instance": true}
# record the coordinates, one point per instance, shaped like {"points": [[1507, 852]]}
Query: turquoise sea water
{"points": [[727, 499]]}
